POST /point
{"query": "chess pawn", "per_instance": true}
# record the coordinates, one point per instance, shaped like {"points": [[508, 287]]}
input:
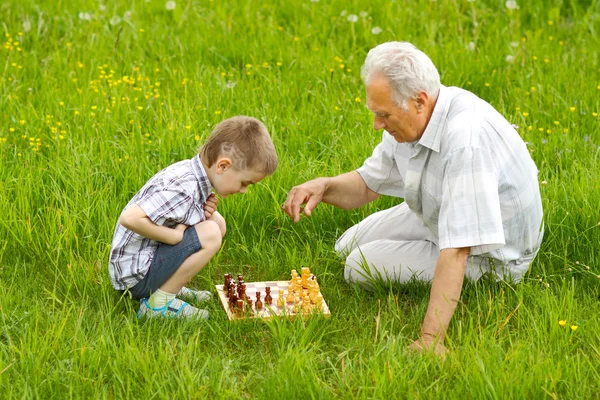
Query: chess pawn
{"points": [[319, 302], [313, 293], [240, 278], [306, 304], [280, 299], [258, 304], [298, 283], [294, 274], [249, 306], [239, 309], [268, 298], [290, 297], [233, 302], [305, 276]]}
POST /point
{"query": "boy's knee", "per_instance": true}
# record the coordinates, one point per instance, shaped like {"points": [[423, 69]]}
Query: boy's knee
{"points": [[210, 236], [218, 218]]}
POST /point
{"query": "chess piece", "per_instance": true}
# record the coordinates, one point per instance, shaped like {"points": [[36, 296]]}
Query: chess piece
{"points": [[280, 299], [319, 302], [249, 306], [258, 304], [294, 274], [306, 304], [268, 298], [305, 276], [239, 306], [240, 277], [232, 301], [290, 297]]}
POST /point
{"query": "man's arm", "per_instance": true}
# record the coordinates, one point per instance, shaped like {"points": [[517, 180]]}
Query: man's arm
{"points": [[345, 191], [134, 218], [445, 294]]}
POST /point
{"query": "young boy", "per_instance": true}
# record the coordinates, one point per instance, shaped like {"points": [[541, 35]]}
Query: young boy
{"points": [[170, 229]]}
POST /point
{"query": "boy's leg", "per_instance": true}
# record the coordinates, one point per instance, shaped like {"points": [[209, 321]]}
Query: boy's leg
{"points": [[210, 236]]}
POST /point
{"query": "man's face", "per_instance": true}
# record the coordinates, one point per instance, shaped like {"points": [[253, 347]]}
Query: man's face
{"points": [[404, 126]]}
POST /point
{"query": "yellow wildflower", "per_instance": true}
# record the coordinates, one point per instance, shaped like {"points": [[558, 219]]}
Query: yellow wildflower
{"points": [[562, 322], [574, 327]]}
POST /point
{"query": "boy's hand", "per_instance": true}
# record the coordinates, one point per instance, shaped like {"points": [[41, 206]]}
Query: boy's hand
{"points": [[211, 205], [179, 230]]}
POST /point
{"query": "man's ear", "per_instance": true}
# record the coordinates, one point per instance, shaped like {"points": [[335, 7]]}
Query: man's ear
{"points": [[421, 101], [223, 164]]}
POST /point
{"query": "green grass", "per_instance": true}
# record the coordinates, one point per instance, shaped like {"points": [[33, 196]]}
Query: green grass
{"points": [[89, 111]]}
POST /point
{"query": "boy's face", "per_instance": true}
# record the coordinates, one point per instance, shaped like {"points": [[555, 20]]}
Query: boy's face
{"points": [[227, 180]]}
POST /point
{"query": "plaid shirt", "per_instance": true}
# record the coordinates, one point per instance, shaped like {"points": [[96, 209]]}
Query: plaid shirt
{"points": [[175, 195], [470, 178]]}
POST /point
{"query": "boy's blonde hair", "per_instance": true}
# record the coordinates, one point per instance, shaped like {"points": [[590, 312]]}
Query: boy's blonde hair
{"points": [[245, 140]]}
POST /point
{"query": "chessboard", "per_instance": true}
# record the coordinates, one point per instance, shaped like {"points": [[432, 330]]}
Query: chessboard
{"points": [[277, 308]]}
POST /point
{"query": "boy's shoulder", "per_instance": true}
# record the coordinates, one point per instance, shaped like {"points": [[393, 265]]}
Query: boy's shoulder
{"points": [[186, 176]]}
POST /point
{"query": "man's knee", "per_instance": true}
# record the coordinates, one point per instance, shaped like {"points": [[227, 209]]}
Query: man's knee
{"points": [[346, 243], [357, 271], [210, 235]]}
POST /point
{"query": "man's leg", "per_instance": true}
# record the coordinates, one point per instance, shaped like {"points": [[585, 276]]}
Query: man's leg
{"points": [[391, 260], [390, 245], [397, 223]]}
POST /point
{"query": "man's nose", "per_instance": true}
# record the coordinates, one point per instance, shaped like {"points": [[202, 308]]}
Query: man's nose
{"points": [[378, 123]]}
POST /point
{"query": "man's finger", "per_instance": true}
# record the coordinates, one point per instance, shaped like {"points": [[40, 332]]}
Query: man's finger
{"points": [[310, 205]]}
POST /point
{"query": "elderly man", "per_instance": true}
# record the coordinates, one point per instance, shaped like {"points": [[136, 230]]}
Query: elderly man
{"points": [[471, 196]]}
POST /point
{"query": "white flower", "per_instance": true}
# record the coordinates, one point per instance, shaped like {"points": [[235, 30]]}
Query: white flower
{"points": [[127, 15], [231, 84], [26, 25], [511, 4], [376, 30], [343, 13], [85, 16], [170, 5], [115, 20], [514, 44], [510, 59], [471, 46], [102, 7], [363, 14], [352, 18], [314, 1]]}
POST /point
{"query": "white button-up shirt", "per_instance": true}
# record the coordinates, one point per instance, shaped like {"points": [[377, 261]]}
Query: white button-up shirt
{"points": [[470, 178], [175, 195]]}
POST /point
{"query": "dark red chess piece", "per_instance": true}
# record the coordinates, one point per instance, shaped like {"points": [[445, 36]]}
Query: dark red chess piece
{"points": [[268, 298], [258, 304], [249, 310]]}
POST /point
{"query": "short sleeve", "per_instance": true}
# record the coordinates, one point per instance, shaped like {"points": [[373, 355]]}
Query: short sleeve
{"points": [[380, 171], [470, 213], [168, 207]]}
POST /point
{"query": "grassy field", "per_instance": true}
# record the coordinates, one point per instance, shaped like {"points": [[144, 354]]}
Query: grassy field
{"points": [[96, 97]]}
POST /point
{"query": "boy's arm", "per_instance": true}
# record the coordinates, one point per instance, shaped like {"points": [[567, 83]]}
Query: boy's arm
{"points": [[135, 219]]}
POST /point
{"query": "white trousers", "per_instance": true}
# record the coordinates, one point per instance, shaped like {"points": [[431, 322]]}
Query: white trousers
{"points": [[395, 245]]}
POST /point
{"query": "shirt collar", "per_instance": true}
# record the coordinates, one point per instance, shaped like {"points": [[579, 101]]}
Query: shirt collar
{"points": [[433, 133], [203, 183]]}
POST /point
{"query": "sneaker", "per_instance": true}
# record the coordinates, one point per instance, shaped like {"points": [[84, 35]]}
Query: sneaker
{"points": [[194, 295], [174, 309]]}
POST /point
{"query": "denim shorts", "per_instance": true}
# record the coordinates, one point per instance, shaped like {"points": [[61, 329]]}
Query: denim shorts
{"points": [[166, 261]]}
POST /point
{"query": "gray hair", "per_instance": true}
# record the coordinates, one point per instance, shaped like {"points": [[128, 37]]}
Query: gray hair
{"points": [[409, 70]]}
